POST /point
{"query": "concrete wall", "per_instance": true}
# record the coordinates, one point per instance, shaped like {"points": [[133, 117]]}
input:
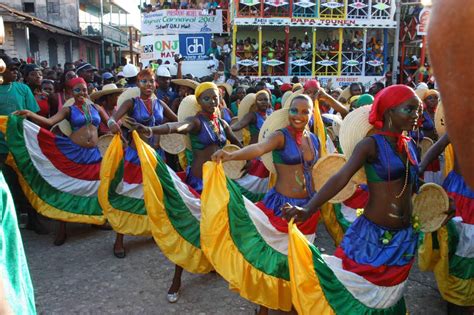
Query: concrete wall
{"points": [[68, 16], [9, 44], [15, 43]]}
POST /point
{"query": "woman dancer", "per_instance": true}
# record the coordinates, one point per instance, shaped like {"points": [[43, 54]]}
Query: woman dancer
{"points": [[148, 111], [80, 147], [256, 115], [294, 151], [371, 265], [453, 265], [207, 133], [432, 172]]}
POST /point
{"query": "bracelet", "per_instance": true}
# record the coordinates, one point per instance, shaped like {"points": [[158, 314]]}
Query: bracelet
{"points": [[169, 129], [150, 132], [110, 122]]}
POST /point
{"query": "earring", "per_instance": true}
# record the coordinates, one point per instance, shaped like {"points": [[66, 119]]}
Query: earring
{"points": [[390, 122]]}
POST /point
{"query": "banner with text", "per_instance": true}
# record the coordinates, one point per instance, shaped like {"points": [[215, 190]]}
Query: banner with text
{"points": [[162, 47], [192, 47], [181, 21]]}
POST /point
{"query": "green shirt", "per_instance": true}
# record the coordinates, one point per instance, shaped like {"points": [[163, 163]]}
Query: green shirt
{"points": [[14, 274], [13, 97]]}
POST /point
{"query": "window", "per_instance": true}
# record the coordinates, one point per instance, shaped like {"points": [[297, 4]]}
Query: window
{"points": [[29, 7], [52, 6]]}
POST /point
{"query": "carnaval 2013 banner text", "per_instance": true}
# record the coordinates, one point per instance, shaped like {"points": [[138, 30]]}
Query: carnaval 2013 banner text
{"points": [[181, 21]]}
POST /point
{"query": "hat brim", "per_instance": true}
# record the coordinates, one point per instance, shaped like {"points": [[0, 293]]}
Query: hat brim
{"points": [[186, 82], [290, 98], [355, 127], [440, 122], [188, 107], [329, 165], [233, 169], [430, 206], [277, 120], [345, 94], [173, 143], [227, 87], [96, 95], [245, 104]]}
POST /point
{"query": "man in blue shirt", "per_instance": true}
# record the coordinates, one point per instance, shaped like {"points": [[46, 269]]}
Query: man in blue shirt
{"points": [[164, 91]]}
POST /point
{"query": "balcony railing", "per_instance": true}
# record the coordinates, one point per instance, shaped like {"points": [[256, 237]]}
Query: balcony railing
{"points": [[300, 63], [324, 9], [111, 34]]}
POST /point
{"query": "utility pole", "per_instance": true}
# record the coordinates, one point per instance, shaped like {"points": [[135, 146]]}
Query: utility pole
{"points": [[396, 43], [102, 47]]}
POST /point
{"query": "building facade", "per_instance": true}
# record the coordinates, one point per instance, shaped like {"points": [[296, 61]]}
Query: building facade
{"points": [[343, 40]]}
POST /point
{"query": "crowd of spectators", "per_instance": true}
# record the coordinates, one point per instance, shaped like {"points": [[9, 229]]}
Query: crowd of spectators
{"points": [[209, 6]]}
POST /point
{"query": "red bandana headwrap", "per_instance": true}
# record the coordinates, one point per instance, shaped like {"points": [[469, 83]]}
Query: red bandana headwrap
{"points": [[75, 81], [311, 84], [386, 99], [285, 87]]}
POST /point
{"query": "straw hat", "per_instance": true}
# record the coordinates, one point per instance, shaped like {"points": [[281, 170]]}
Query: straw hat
{"points": [[185, 82], [285, 97], [440, 122], [128, 94], [173, 143], [238, 134], [245, 104], [227, 87], [64, 124], [233, 169], [336, 122], [346, 94], [421, 90], [189, 107], [430, 206], [277, 120], [354, 128], [106, 90], [425, 145], [329, 165], [103, 143], [290, 98]]}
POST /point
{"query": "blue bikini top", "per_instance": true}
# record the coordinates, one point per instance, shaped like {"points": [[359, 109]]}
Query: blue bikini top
{"points": [[77, 118], [141, 114], [207, 136], [427, 123], [291, 154], [254, 128], [388, 165], [226, 115]]}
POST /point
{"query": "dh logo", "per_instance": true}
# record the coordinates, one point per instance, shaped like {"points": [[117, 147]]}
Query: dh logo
{"points": [[195, 46]]}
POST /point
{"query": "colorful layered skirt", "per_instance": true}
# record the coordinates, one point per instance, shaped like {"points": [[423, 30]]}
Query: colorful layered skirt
{"points": [[247, 246], [121, 190], [60, 178], [449, 252], [367, 274], [338, 217], [255, 183], [174, 211]]}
